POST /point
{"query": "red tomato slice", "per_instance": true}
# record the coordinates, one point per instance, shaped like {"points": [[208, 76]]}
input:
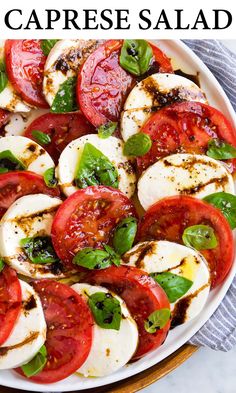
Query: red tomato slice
{"points": [[185, 127], [10, 302], [167, 219], [142, 296], [69, 330], [160, 62], [25, 64], [62, 129], [14, 185], [87, 219], [103, 84], [4, 115]]}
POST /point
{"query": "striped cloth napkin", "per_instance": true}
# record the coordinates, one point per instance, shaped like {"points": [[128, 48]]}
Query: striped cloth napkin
{"points": [[219, 332]]}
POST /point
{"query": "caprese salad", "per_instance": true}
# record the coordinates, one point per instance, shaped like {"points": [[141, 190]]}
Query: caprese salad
{"points": [[117, 204]]}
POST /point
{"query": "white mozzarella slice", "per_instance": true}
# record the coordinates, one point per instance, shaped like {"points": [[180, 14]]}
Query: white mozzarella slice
{"points": [[31, 154], [18, 122], [164, 256], [28, 334], [183, 174], [28, 216], [111, 147], [153, 93], [9, 98], [63, 62], [111, 349]]}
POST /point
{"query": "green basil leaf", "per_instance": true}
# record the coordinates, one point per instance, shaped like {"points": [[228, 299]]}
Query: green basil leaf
{"points": [[107, 130], [95, 168], [157, 320], [226, 203], [9, 162], [124, 235], [3, 80], [2, 264], [106, 310], [39, 249], [2, 66], [114, 257], [3, 170], [220, 150], [174, 286], [65, 99], [137, 145], [47, 45], [36, 364], [94, 258], [49, 178], [135, 56], [41, 137], [200, 237]]}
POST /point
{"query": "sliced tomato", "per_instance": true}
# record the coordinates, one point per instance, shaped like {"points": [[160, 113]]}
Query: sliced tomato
{"points": [[160, 62], [185, 127], [62, 129], [25, 64], [69, 330], [142, 296], [10, 302], [4, 116], [103, 84], [168, 218], [14, 185], [87, 219]]}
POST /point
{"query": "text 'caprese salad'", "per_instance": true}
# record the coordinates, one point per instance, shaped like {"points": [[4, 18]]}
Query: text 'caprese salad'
{"points": [[117, 204]]}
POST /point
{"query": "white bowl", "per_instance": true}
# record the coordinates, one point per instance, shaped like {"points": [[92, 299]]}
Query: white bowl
{"points": [[188, 62]]}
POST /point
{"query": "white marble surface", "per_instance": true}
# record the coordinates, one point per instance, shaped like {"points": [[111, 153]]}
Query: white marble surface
{"points": [[206, 371]]}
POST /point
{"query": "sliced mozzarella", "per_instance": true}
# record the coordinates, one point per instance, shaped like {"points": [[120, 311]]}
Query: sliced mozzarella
{"points": [[9, 98], [29, 216], [28, 334], [18, 122], [31, 154], [151, 94], [111, 147], [164, 256], [183, 174], [111, 349], [63, 62]]}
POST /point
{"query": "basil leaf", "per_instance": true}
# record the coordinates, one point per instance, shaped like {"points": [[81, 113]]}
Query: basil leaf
{"points": [[9, 162], [135, 56], [157, 320], [137, 145], [2, 66], [2, 264], [3, 76], [220, 150], [65, 99], [226, 203], [107, 130], [47, 45], [95, 168], [106, 310], [174, 286], [114, 257], [124, 235], [200, 237], [94, 258], [49, 178], [41, 137], [39, 249], [36, 364]]}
